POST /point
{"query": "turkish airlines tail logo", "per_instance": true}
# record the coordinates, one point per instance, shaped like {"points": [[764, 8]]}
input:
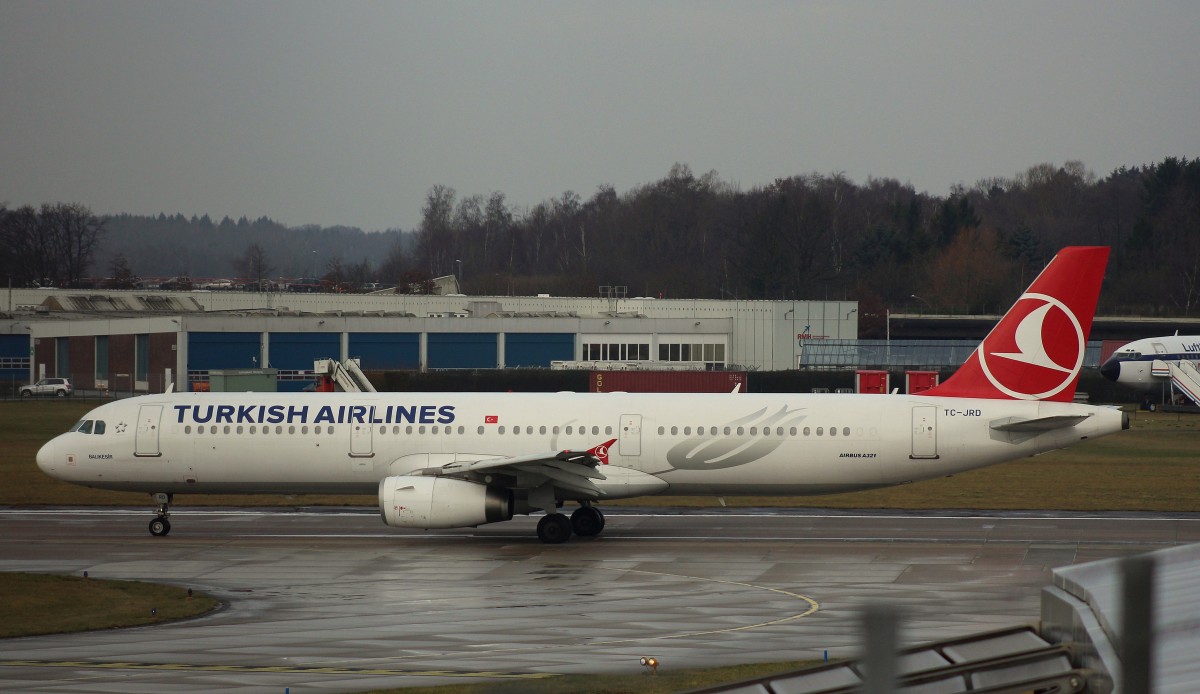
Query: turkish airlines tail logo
{"points": [[601, 452], [1036, 350]]}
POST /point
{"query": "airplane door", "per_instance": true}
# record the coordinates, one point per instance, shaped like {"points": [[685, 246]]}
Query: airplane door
{"points": [[145, 441], [630, 435], [360, 441], [924, 432]]}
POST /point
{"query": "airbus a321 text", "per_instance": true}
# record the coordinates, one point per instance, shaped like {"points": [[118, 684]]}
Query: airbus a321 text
{"points": [[447, 460]]}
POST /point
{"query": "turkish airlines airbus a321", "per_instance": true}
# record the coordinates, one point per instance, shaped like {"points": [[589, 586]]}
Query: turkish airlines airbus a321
{"points": [[448, 460]]}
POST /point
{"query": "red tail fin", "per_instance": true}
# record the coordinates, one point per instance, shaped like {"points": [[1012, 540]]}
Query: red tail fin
{"points": [[1036, 350]]}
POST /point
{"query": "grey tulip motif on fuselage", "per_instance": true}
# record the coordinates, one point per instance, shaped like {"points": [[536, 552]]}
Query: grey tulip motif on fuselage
{"points": [[703, 452]]}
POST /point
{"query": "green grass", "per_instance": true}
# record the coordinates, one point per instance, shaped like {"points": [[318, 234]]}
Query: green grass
{"points": [[32, 604], [1152, 467]]}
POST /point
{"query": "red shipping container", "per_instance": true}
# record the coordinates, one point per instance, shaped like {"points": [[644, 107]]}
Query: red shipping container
{"points": [[1107, 347], [668, 381], [919, 381], [871, 381]]}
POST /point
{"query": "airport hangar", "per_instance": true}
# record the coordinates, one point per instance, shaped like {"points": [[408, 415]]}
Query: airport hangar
{"points": [[138, 340]]}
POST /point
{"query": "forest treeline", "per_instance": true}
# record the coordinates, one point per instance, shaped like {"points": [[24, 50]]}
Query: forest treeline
{"points": [[815, 236]]}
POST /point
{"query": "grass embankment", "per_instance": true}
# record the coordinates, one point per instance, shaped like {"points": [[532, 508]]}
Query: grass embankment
{"points": [[1152, 467], [33, 604]]}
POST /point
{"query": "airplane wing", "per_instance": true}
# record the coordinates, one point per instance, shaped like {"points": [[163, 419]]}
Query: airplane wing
{"points": [[572, 471]]}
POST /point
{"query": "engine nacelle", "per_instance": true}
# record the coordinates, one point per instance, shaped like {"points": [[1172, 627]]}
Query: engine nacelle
{"points": [[414, 501]]}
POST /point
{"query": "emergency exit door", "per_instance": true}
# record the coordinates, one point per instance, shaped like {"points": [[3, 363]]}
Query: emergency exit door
{"points": [[630, 435], [145, 441], [924, 432]]}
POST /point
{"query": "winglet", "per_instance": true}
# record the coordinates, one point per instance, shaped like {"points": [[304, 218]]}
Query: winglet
{"points": [[1036, 350], [601, 452]]}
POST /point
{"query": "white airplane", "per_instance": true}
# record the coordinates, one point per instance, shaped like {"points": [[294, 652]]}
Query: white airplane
{"points": [[447, 460], [1134, 364]]}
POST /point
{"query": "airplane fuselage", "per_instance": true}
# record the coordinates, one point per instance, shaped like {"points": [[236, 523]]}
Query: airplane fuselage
{"points": [[1141, 363], [709, 444]]}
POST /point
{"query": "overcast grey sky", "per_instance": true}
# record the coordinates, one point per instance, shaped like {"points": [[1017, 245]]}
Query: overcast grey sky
{"points": [[348, 112]]}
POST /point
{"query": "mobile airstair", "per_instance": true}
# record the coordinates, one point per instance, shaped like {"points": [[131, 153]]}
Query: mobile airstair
{"points": [[1184, 378], [345, 376]]}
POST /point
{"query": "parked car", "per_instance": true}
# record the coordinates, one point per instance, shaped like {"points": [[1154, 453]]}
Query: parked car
{"points": [[60, 387]]}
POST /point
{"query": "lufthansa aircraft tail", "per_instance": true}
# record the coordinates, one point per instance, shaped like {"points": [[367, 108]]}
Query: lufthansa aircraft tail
{"points": [[1036, 350]]}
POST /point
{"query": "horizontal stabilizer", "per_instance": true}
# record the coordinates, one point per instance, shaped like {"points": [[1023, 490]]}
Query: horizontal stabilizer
{"points": [[1061, 421]]}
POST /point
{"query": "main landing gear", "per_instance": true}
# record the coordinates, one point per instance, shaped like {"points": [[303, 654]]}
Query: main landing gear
{"points": [[555, 528], [160, 525]]}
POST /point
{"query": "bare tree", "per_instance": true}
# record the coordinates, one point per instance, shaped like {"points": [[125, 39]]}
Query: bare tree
{"points": [[254, 263], [73, 233]]}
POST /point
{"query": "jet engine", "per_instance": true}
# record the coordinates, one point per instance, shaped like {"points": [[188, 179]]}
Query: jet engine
{"points": [[414, 501]]}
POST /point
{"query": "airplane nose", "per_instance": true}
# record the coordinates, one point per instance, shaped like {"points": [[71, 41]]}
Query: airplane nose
{"points": [[45, 457], [1111, 369]]}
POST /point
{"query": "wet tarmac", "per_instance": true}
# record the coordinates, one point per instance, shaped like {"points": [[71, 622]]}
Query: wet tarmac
{"points": [[332, 600]]}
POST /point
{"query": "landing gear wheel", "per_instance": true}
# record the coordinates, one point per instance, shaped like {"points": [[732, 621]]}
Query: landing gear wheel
{"points": [[587, 521], [554, 528], [159, 527]]}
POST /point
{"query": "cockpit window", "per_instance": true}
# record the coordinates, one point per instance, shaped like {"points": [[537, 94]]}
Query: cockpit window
{"points": [[88, 426]]}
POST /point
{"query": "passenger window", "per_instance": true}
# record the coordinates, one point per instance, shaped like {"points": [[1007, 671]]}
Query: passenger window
{"points": [[741, 431], [727, 431], [820, 431], [845, 431], [407, 429], [239, 429], [754, 431], [516, 430], [833, 431], [303, 430], [433, 429], [461, 429], [421, 430], [554, 431], [541, 430], [806, 431], [713, 431], [278, 429], [382, 430], [330, 431], [569, 431], [225, 430], [595, 430], [687, 431], [212, 429], [501, 429], [608, 431], [187, 429], [674, 431], [480, 430]]}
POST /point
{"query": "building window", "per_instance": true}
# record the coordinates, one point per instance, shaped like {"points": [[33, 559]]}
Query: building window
{"points": [[102, 357], [141, 358]]}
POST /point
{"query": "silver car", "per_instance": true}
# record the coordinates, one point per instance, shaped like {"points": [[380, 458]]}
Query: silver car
{"points": [[59, 387]]}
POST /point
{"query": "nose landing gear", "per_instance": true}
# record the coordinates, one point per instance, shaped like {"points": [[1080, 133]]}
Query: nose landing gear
{"points": [[160, 525]]}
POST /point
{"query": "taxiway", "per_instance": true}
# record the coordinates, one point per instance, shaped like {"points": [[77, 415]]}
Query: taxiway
{"points": [[332, 600]]}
